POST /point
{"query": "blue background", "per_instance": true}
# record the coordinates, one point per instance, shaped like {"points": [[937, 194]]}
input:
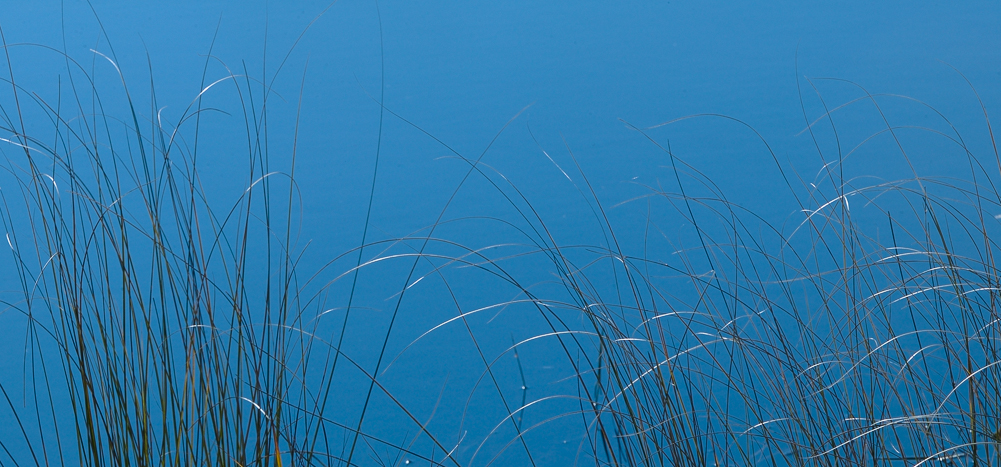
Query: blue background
{"points": [[585, 71]]}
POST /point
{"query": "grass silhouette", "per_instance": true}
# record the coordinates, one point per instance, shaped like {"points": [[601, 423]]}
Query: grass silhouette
{"points": [[164, 327]]}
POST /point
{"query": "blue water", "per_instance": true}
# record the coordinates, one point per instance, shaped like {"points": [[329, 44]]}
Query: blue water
{"points": [[570, 77]]}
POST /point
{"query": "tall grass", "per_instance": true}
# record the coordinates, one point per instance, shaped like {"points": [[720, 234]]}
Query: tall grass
{"points": [[167, 322]]}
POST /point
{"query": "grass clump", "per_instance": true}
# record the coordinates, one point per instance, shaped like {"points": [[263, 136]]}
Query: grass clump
{"points": [[158, 331], [162, 329]]}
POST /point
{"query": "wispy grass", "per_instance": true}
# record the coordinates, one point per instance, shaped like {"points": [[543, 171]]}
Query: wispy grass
{"points": [[164, 326]]}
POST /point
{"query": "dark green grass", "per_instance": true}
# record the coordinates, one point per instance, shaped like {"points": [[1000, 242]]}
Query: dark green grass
{"points": [[163, 326]]}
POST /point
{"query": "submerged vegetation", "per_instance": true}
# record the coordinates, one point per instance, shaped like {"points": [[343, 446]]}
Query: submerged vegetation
{"points": [[163, 326]]}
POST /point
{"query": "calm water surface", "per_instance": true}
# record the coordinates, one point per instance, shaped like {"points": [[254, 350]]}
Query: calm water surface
{"points": [[573, 77]]}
